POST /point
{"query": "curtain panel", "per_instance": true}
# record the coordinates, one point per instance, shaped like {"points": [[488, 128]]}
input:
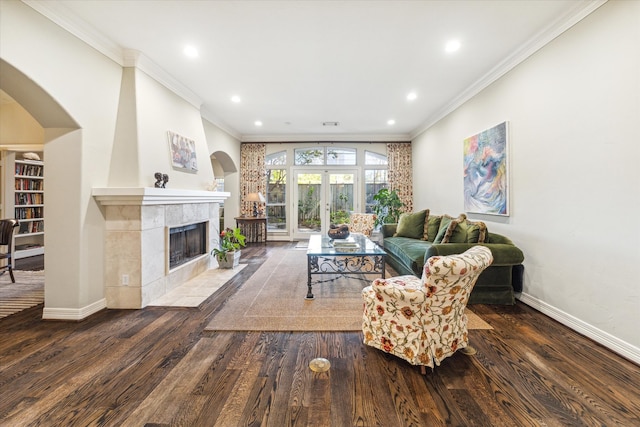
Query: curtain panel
{"points": [[400, 173], [253, 174]]}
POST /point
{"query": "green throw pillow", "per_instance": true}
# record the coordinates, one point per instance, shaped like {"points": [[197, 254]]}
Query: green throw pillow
{"points": [[444, 225], [462, 230], [431, 227], [411, 225]]}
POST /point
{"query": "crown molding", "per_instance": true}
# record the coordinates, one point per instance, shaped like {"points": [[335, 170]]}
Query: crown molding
{"points": [[581, 10], [71, 22], [137, 59], [314, 137], [213, 119]]}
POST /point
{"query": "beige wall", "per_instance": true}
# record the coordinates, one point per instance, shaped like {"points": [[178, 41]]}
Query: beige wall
{"points": [[573, 110]]}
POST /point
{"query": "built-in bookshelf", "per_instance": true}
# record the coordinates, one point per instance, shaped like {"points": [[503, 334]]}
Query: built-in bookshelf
{"points": [[25, 200]]}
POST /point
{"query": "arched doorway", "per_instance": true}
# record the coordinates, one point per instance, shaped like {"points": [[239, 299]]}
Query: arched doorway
{"points": [[60, 135]]}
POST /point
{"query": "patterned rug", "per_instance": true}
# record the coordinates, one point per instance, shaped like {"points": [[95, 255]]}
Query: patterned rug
{"points": [[27, 292], [273, 299]]}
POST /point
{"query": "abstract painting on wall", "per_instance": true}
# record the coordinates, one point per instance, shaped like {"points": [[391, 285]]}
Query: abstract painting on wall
{"points": [[486, 185]]}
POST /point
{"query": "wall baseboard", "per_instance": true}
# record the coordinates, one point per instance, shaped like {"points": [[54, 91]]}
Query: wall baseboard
{"points": [[614, 344], [74, 314]]}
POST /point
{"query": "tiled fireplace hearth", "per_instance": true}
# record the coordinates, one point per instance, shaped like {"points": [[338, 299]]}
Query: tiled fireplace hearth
{"points": [[138, 222]]}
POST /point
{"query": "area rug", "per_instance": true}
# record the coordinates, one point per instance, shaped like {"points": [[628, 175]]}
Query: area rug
{"points": [[273, 299], [27, 292]]}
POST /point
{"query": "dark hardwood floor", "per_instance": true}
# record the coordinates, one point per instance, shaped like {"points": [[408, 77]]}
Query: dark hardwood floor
{"points": [[156, 367]]}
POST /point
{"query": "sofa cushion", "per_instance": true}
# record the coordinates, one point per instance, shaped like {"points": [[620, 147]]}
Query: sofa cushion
{"points": [[431, 226], [411, 225], [410, 252], [444, 224], [462, 230]]}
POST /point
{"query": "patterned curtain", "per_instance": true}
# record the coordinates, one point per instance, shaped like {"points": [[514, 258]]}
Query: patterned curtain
{"points": [[401, 172], [253, 174]]}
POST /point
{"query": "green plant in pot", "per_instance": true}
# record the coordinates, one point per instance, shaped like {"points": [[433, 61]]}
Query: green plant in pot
{"points": [[231, 240], [388, 206]]}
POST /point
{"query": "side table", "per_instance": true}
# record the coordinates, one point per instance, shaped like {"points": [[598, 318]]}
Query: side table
{"points": [[253, 227]]}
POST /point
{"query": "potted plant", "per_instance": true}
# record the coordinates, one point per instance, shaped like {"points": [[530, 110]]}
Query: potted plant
{"points": [[231, 240], [388, 206]]}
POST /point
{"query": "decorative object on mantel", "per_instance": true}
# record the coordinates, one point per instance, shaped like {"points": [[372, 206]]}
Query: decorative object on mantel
{"points": [[228, 255], [161, 180], [183, 153], [213, 186], [255, 198], [338, 231]]}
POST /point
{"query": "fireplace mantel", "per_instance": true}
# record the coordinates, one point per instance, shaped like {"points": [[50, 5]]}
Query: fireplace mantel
{"points": [[138, 222], [145, 196]]}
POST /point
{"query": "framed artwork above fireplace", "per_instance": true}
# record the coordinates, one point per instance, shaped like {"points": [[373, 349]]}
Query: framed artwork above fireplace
{"points": [[183, 153]]}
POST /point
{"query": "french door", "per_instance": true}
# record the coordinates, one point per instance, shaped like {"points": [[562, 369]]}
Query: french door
{"points": [[322, 197]]}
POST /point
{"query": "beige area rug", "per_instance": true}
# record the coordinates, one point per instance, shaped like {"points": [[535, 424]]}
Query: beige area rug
{"points": [[27, 292], [273, 299]]}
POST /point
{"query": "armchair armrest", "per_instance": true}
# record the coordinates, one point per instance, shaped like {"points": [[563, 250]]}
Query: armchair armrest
{"points": [[402, 288]]}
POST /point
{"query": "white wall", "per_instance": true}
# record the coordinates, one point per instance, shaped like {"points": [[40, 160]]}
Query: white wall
{"points": [[573, 110], [86, 85], [219, 140], [159, 110]]}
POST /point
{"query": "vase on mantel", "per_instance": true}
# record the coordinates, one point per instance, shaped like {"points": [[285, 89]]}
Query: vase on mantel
{"points": [[232, 259]]}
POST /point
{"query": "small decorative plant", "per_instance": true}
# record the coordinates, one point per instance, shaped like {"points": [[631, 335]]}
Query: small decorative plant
{"points": [[231, 240], [388, 206]]}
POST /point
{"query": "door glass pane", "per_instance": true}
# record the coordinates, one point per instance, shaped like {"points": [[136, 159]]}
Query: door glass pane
{"points": [[309, 197], [276, 199], [341, 197]]}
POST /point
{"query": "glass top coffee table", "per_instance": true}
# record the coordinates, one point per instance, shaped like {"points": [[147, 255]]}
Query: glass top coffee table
{"points": [[351, 258]]}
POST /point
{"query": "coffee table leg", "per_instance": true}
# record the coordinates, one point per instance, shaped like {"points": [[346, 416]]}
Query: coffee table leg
{"points": [[309, 290]]}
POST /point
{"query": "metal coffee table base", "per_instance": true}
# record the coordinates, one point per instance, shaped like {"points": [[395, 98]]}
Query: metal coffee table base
{"points": [[343, 265]]}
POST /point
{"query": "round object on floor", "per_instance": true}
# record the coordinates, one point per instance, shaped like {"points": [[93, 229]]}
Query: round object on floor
{"points": [[319, 364], [468, 350]]}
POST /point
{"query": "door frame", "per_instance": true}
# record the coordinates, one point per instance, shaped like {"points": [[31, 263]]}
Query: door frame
{"points": [[324, 172]]}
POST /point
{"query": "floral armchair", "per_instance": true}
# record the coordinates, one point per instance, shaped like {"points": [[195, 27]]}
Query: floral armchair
{"points": [[423, 320], [362, 223]]}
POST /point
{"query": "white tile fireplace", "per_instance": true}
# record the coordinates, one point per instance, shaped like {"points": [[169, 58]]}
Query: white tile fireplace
{"points": [[138, 221]]}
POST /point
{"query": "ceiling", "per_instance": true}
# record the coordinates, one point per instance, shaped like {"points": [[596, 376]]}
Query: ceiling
{"points": [[297, 64]]}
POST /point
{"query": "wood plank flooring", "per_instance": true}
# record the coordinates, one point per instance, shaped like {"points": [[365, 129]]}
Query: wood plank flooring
{"points": [[156, 367]]}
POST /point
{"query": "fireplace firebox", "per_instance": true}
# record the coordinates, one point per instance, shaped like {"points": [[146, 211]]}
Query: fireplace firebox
{"points": [[186, 243]]}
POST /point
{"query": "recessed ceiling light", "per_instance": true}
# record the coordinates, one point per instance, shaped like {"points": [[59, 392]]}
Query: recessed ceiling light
{"points": [[257, 123], [411, 96], [391, 122], [236, 99], [190, 51], [452, 46]]}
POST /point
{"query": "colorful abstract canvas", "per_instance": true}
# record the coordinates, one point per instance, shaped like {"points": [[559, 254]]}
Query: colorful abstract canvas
{"points": [[486, 186]]}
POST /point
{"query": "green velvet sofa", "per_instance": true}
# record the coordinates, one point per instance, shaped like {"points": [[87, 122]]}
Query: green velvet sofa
{"points": [[407, 252]]}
